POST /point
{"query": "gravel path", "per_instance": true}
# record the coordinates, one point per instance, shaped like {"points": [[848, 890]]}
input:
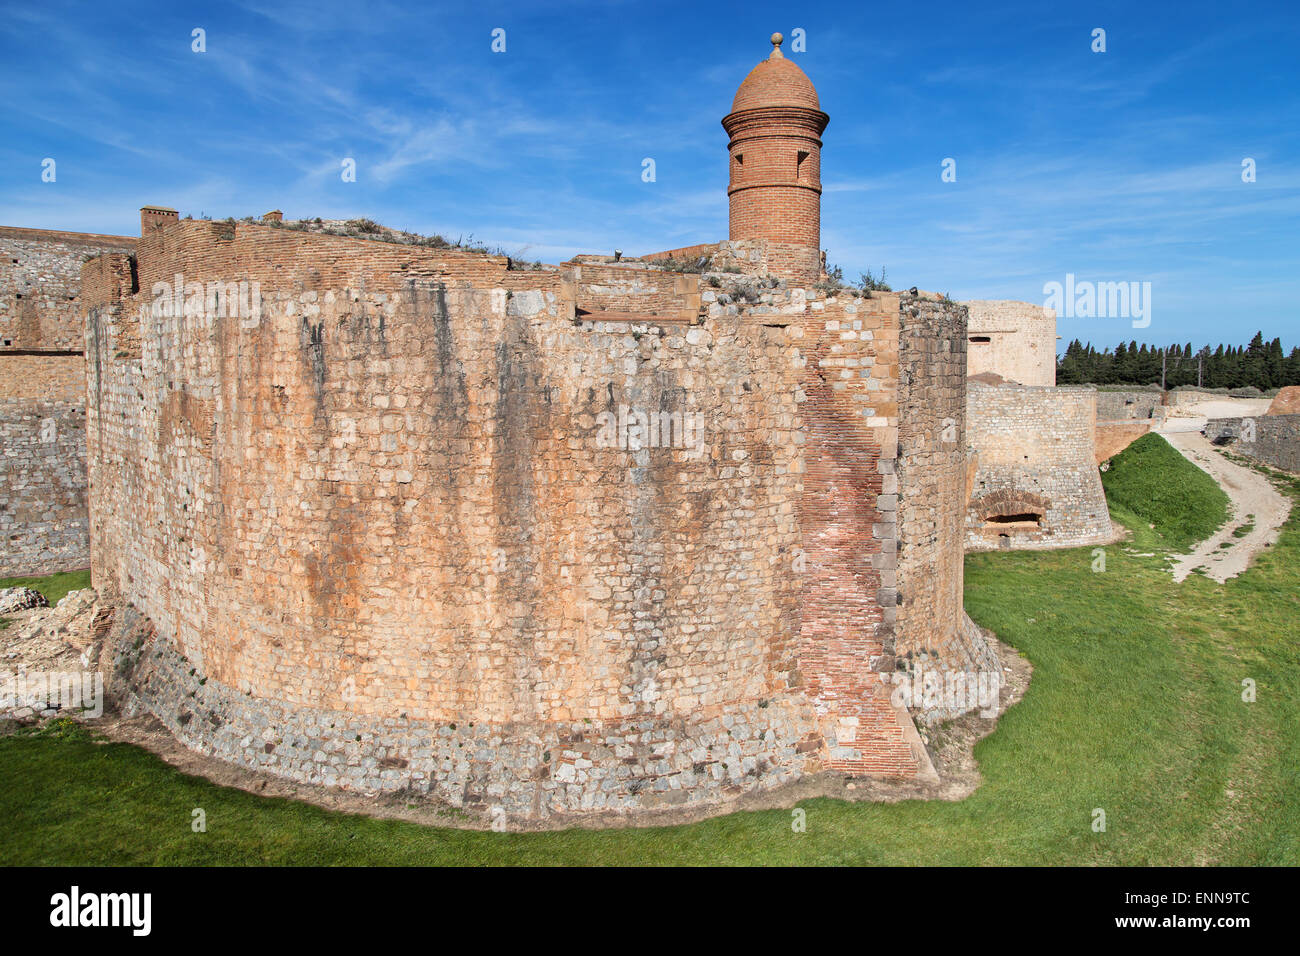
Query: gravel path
{"points": [[1254, 500]]}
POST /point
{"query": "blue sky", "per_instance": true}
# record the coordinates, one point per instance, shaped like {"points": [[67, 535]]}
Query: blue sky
{"points": [[1115, 166]]}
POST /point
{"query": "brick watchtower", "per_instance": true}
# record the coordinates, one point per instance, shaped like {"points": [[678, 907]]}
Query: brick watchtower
{"points": [[775, 125]]}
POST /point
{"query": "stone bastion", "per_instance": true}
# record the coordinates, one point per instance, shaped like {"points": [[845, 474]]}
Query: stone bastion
{"points": [[595, 537]]}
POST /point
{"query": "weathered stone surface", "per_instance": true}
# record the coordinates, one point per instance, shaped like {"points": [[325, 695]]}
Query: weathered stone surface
{"points": [[1036, 456], [1272, 439], [43, 519], [1015, 340]]}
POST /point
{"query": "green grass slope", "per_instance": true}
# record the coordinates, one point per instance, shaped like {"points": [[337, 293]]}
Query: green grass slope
{"points": [[1153, 482]]}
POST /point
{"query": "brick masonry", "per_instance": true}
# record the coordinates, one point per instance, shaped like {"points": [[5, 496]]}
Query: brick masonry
{"points": [[774, 154]]}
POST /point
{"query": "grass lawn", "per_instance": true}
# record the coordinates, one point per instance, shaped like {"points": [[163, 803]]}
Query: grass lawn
{"points": [[1135, 708], [53, 586]]}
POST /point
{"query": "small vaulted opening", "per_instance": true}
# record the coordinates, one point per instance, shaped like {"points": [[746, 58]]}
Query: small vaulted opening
{"points": [[1022, 519]]}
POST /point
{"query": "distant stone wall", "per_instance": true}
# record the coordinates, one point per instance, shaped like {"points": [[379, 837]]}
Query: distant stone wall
{"points": [[1037, 483], [43, 515], [40, 281], [43, 519], [1271, 439], [1016, 340], [1119, 406]]}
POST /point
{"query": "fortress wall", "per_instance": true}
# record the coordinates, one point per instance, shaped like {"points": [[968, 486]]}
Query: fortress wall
{"points": [[397, 502], [43, 523], [1271, 439], [1021, 341], [931, 485], [1036, 454], [40, 280], [1120, 406]]}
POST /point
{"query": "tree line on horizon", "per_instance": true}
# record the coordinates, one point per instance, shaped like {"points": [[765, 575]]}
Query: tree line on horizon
{"points": [[1260, 364]]}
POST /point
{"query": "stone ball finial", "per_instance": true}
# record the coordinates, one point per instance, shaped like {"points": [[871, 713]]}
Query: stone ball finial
{"points": [[776, 45]]}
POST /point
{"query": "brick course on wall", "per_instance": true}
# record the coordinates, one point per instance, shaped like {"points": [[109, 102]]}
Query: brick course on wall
{"points": [[1035, 453], [43, 520], [1271, 439]]}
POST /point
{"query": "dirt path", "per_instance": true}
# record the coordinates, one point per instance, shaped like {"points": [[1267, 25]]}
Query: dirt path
{"points": [[1255, 505]]}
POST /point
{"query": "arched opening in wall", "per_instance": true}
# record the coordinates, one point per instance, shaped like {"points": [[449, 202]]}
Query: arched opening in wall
{"points": [[980, 338], [1021, 520], [800, 169], [1010, 513]]}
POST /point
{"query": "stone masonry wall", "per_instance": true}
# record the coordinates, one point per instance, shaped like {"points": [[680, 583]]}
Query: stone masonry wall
{"points": [[1021, 341], [1271, 439], [1035, 450], [43, 517], [632, 287], [800, 264], [1121, 406], [388, 497], [43, 521], [530, 560], [931, 485], [40, 281]]}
